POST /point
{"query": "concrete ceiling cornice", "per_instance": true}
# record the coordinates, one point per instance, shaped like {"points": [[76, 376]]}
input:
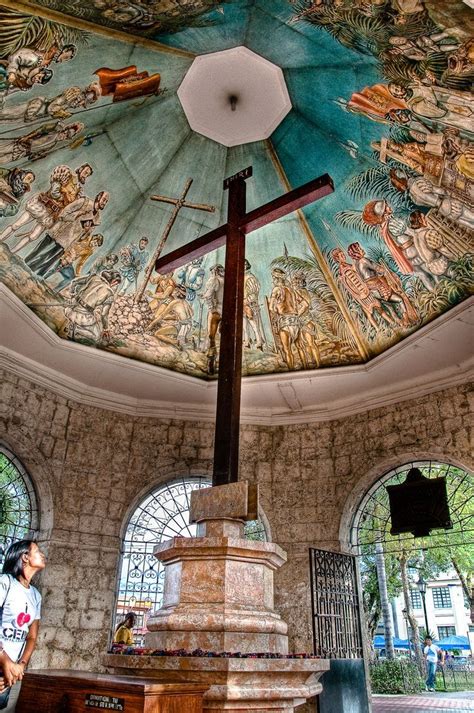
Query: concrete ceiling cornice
{"points": [[438, 356]]}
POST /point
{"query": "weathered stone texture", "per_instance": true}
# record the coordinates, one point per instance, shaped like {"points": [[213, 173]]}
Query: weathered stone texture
{"points": [[91, 465]]}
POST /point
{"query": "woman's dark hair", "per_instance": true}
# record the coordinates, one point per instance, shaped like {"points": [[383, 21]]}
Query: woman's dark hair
{"points": [[128, 616], [13, 557]]}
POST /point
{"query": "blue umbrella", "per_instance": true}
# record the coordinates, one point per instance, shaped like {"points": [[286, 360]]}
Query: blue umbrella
{"points": [[379, 642], [453, 642]]}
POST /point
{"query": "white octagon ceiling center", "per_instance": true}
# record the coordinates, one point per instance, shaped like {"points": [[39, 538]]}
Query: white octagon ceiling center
{"points": [[258, 89]]}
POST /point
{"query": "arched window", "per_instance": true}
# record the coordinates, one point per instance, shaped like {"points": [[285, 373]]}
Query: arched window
{"points": [[371, 522], [161, 515], [400, 573], [18, 506]]}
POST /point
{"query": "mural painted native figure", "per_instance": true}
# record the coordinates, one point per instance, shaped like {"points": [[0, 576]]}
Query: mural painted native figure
{"points": [[88, 135]]}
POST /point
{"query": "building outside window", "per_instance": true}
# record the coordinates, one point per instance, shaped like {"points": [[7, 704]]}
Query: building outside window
{"points": [[444, 631], [415, 597], [441, 597]]}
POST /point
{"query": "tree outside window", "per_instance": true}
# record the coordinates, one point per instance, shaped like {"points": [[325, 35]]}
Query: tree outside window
{"points": [[18, 507]]}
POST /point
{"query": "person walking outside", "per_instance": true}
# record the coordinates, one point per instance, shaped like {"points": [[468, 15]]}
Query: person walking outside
{"points": [[431, 653], [20, 609]]}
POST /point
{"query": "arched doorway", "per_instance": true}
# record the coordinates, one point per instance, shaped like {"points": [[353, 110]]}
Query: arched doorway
{"points": [[18, 503], [162, 514]]}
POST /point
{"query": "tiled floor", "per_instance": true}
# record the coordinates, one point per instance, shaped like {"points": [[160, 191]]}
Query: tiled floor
{"points": [[425, 703]]}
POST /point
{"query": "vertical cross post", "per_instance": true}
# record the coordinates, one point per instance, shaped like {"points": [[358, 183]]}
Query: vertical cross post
{"points": [[232, 235], [226, 438]]}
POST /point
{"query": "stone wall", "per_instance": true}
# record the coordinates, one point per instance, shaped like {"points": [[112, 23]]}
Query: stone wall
{"points": [[91, 467]]}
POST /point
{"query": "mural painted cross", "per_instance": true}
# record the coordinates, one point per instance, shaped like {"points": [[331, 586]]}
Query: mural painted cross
{"points": [[178, 203], [232, 234]]}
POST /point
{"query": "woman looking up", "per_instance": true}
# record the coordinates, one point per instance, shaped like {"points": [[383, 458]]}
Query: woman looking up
{"points": [[123, 632], [20, 609]]}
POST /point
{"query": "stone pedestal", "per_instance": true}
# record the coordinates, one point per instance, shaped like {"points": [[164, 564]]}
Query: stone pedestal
{"points": [[218, 596], [235, 685]]}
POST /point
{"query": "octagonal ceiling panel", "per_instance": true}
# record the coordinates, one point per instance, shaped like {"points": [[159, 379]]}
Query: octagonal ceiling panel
{"points": [[95, 147], [234, 96]]}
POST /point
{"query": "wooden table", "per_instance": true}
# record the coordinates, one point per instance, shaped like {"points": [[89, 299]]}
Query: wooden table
{"points": [[79, 691]]}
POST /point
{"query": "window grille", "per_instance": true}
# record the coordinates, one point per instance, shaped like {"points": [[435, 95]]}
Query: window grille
{"points": [[441, 597], [444, 631], [415, 597], [161, 515], [372, 522], [18, 506]]}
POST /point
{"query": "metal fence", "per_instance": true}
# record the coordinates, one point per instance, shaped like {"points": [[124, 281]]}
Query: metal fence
{"points": [[404, 676], [455, 676]]}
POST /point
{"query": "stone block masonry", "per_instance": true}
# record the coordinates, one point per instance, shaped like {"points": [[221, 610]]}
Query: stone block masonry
{"points": [[90, 466]]}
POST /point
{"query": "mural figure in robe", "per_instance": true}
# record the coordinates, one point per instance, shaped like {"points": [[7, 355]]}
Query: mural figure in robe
{"points": [[15, 183], [92, 297], [43, 209], [60, 106], [308, 331], [76, 221], [29, 66], [252, 323], [443, 107], [40, 142], [378, 213]]}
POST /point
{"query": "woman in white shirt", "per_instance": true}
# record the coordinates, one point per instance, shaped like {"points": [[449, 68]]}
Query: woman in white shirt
{"points": [[20, 608]]}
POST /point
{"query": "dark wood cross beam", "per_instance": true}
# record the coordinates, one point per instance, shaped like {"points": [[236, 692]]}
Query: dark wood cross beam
{"points": [[232, 235]]}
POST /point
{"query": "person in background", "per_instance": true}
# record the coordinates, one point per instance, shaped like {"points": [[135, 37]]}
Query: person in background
{"points": [[431, 652], [20, 609], [124, 631]]}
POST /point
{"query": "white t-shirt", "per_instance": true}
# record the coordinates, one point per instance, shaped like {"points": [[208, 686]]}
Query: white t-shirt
{"points": [[431, 653], [21, 607]]}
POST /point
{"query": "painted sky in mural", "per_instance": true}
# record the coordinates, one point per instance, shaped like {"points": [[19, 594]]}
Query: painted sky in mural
{"points": [[91, 132]]}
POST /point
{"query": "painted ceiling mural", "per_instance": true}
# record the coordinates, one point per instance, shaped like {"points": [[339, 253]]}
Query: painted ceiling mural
{"points": [[94, 143]]}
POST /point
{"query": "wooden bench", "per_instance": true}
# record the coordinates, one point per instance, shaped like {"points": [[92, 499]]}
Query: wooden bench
{"points": [[65, 691]]}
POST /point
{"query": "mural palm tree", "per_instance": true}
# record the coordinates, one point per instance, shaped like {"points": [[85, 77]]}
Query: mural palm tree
{"points": [[329, 318], [20, 30]]}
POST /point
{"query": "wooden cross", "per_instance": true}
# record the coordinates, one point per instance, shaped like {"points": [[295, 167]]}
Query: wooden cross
{"points": [[178, 204], [232, 234]]}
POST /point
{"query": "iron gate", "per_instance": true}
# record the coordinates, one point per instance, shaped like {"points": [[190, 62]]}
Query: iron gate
{"points": [[335, 605]]}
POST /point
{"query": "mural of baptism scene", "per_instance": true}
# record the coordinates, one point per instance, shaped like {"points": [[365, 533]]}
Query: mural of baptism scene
{"points": [[101, 173]]}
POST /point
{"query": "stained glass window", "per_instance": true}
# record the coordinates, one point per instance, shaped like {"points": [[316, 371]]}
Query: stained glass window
{"points": [[18, 507], [162, 514]]}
